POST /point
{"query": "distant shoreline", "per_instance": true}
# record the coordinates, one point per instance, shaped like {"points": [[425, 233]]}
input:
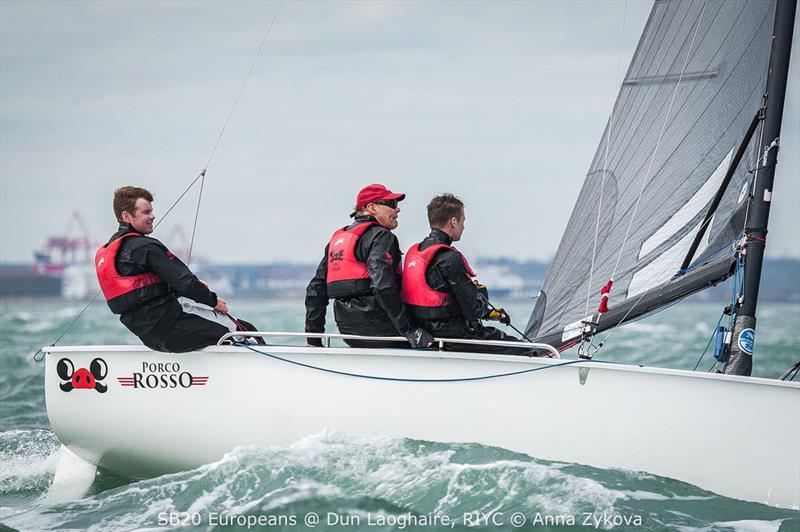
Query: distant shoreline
{"points": [[507, 279]]}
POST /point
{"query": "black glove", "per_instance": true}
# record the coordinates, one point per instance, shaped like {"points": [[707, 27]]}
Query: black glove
{"points": [[419, 338], [500, 315]]}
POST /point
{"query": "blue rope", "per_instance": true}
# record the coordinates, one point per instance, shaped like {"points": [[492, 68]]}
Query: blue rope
{"points": [[705, 259], [737, 283], [397, 379], [713, 334]]}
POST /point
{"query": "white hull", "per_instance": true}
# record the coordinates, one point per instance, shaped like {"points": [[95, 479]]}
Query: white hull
{"points": [[671, 423]]}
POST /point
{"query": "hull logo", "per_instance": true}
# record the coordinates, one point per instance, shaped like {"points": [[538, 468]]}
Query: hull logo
{"points": [[82, 378], [163, 375]]}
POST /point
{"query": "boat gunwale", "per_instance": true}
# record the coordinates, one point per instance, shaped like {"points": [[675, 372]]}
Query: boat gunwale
{"points": [[452, 355]]}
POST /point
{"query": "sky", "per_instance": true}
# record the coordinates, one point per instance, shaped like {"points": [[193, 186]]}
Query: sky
{"points": [[500, 103]]}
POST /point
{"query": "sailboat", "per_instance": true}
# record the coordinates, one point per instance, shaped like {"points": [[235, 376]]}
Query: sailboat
{"points": [[676, 199]]}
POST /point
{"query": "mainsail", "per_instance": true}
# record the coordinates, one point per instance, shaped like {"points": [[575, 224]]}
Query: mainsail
{"points": [[676, 144]]}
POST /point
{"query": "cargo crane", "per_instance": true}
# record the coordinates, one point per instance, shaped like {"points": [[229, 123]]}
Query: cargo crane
{"points": [[65, 250]]}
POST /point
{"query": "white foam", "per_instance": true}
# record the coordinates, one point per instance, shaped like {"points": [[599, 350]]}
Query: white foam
{"points": [[435, 478], [645, 496], [387, 467], [31, 463], [751, 525], [746, 525], [691, 497], [40, 326], [650, 496]]}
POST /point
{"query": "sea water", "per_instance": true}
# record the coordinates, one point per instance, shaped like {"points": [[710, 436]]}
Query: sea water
{"points": [[337, 481]]}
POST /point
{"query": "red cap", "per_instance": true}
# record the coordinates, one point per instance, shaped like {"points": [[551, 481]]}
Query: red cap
{"points": [[372, 193]]}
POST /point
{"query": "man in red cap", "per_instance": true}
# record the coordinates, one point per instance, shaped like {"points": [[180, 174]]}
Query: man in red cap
{"points": [[361, 272]]}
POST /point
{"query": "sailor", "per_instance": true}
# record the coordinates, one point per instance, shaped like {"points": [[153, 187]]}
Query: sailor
{"points": [[141, 281], [439, 288], [360, 271]]}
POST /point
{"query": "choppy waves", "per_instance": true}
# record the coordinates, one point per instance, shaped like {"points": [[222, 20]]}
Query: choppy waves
{"points": [[333, 474], [362, 477], [28, 459]]}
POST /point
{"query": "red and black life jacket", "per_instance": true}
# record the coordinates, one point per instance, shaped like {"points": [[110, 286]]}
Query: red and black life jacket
{"points": [[424, 302], [124, 293], [347, 276]]}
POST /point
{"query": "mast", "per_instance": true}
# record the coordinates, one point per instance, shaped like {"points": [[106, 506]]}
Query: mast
{"points": [[740, 361]]}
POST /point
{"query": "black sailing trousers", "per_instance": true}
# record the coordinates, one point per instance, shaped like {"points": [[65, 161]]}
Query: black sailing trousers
{"points": [[189, 332]]}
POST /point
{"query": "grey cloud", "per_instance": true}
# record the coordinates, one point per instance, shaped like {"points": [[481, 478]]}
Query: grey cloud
{"points": [[500, 103]]}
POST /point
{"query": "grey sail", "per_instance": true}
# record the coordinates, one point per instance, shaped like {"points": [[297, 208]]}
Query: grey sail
{"points": [[690, 96]]}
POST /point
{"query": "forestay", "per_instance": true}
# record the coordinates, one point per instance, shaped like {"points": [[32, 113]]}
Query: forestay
{"points": [[693, 88]]}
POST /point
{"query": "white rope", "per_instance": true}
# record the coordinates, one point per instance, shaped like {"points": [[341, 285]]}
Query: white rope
{"points": [[622, 319], [246, 79], [647, 175], [201, 175], [225, 125], [196, 216], [658, 141], [617, 89]]}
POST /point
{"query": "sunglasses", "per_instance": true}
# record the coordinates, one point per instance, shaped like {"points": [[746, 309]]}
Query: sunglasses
{"points": [[392, 204]]}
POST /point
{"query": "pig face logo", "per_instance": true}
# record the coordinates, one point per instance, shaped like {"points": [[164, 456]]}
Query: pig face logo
{"points": [[81, 377]]}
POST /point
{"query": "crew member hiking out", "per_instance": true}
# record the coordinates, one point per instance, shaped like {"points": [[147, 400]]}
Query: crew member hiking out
{"points": [[439, 288], [361, 271], [142, 280]]}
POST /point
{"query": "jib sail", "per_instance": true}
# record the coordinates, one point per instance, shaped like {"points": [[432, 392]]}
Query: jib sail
{"points": [[673, 171]]}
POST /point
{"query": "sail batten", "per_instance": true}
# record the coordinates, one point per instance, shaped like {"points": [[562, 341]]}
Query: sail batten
{"points": [[635, 107], [643, 122], [699, 72], [672, 78], [693, 126]]}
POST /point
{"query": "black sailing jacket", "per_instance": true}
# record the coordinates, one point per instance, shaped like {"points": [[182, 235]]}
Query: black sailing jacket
{"points": [[379, 313], [447, 273], [154, 317]]}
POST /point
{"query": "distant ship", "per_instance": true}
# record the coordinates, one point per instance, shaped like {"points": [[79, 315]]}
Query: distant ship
{"points": [[64, 266], [59, 268]]}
